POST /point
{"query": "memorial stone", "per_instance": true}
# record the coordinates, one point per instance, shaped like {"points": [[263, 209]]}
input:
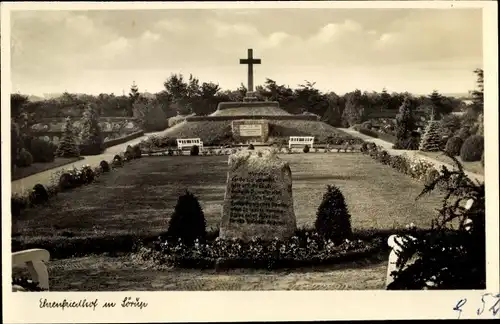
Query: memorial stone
{"points": [[258, 202]]}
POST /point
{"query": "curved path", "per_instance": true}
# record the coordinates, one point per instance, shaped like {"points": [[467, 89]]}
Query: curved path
{"points": [[21, 185], [388, 147]]}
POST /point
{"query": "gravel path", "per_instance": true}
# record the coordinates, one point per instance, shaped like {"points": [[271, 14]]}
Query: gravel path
{"points": [[388, 147], [21, 185]]}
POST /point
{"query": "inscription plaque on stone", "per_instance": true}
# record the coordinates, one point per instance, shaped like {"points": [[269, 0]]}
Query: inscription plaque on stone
{"points": [[258, 201], [250, 130]]}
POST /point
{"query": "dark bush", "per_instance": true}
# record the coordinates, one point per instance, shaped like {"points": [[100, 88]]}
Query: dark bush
{"points": [[87, 175], [195, 150], [383, 157], [66, 181], [137, 151], [130, 153], [250, 147], [188, 220], [464, 133], [412, 143], [17, 204], [368, 132], [128, 156], [170, 152], [39, 195], [364, 147], [333, 220], [306, 149], [25, 159], [104, 166], [42, 151], [472, 149], [453, 146]]}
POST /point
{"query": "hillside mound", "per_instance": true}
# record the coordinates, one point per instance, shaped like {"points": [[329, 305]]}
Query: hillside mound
{"points": [[214, 132], [255, 111]]}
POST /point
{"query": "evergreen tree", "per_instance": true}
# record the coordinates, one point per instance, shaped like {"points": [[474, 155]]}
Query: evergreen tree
{"points": [[68, 146], [352, 112], [405, 124], [437, 102], [188, 220], [431, 140], [133, 96], [90, 135], [333, 220], [478, 94]]}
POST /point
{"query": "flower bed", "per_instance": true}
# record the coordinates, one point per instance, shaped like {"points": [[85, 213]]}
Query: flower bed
{"points": [[418, 169], [306, 248]]}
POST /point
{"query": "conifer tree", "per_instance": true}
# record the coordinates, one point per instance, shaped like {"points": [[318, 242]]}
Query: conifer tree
{"points": [[68, 146], [431, 140], [333, 220], [90, 135], [188, 220], [405, 124]]}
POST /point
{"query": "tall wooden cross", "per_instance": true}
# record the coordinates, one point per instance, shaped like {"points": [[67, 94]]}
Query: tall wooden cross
{"points": [[250, 61]]}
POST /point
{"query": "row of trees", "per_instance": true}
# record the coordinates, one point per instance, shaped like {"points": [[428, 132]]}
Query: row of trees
{"points": [[182, 96]]}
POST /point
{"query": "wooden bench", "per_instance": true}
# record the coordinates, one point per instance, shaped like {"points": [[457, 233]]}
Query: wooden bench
{"points": [[189, 143], [34, 260], [301, 140]]}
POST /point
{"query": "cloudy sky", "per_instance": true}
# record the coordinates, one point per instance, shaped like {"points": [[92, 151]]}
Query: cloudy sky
{"points": [[414, 50]]}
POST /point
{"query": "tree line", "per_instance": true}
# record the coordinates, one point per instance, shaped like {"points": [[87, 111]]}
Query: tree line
{"points": [[183, 96]]}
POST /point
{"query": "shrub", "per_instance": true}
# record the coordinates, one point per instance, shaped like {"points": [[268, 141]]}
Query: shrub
{"points": [[368, 132], [195, 150], [464, 133], [453, 146], [66, 181], [25, 159], [306, 149], [90, 133], [68, 146], [449, 256], [41, 150], [188, 220], [117, 161], [130, 152], [137, 151], [432, 137], [250, 147], [384, 157], [87, 175], [104, 166], [17, 203], [333, 220], [472, 149], [405, 124], [39, 195]]}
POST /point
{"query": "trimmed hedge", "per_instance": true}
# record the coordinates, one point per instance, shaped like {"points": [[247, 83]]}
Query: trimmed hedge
{"points": [[453, 145], [123, 139]]}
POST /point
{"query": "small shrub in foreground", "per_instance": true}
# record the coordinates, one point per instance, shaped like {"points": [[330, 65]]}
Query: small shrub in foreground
{"points": [[41, 150], [250, 147], [306, 149], [472, 149], [188, 220], [333, 220]]}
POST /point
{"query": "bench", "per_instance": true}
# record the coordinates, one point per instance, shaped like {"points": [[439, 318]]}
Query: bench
{"points": [[35, 260], [189, 142], [301, 140]]}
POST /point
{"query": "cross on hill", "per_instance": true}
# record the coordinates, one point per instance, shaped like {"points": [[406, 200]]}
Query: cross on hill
{"points": [[250, 61]]}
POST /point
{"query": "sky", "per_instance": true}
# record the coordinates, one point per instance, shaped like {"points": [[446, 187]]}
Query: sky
{"points": [[414, 50]]}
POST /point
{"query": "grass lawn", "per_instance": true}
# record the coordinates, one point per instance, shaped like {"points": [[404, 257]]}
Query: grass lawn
{"points": [[474, 167], [139, 198], [20, 173]]}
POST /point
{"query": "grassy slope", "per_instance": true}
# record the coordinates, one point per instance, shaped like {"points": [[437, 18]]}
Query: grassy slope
{"points": [[271, 111], [209, 130], [140, 197]]}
